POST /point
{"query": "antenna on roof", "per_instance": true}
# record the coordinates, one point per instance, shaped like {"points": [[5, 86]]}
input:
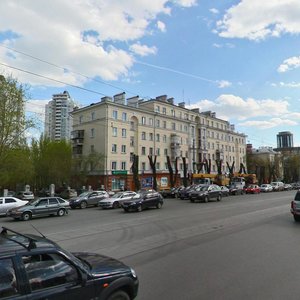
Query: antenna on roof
{"points": [[38, 231]]}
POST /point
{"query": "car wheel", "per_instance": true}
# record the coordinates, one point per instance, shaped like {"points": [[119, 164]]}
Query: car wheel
{"points": [[206, 199], [26, 216], [61, 212], [139, 208], [119, 295], [297, 218], [219, 198], [83, 204], [126, 209], [116, 204], [158, 205]]}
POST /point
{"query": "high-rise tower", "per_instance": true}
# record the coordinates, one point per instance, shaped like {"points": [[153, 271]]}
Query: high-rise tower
{"points": [[285, 140], [58, 120]]}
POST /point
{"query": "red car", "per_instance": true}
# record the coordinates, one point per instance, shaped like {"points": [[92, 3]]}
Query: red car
{"points": [[252, 189]]}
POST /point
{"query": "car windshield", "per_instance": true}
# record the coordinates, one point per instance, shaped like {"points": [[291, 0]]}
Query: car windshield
{"points": [[85, 194], [204, 188], [297, 196], [33, 202], [117, 195]]}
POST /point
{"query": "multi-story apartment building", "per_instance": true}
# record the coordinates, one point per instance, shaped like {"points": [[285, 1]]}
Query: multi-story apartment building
{"points": [[120, 128], [58, 120]]}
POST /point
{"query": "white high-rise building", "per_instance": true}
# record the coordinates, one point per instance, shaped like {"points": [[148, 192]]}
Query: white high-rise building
{"points": [[58, 120]]}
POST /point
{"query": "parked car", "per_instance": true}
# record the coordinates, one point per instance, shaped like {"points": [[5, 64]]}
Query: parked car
{"points": [[206, 193], [184, 193], [88, 199], [25, 195], [116, 200], [236, 189], [296, 185], [34, 267], [9, 194], [224, 190], [287, 187], [277, 186], [252, 189], [168, 193], [7, 203], [295, 207], [40, 207], [143, 200], [266, 188]]}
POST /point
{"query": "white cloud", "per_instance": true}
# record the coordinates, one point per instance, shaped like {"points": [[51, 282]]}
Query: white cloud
{"points": [[289, 64], [161, 26], [290, 84], [267, 124], [186, 3], [224, 83], [81, 35], [256, 19], [232, 107], [142, 50], [214, 11]]}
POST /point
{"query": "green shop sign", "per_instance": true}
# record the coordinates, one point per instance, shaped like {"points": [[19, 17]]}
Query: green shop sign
{"points": [[121, 172]]}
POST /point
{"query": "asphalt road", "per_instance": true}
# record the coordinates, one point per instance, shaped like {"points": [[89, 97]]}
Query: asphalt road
{"points": [[244, 247]]}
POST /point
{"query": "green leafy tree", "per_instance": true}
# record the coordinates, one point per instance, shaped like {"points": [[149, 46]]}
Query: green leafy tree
{"points": [[13, 123], [85, 165], [52, 162]]}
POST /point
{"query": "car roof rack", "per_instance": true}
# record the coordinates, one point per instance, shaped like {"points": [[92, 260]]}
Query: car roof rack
{"points": [[32, 241]]}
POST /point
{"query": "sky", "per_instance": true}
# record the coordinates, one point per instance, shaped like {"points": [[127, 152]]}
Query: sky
{"points": [[240, 59]]}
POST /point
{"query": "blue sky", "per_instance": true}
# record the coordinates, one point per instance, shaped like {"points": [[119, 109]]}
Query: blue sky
{"points": [[238, 58]]}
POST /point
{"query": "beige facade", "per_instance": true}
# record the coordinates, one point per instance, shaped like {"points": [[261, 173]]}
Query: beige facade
{"points": [[118, 128]]}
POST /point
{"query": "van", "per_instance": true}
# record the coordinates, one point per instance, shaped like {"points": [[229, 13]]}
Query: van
{"points": [[277, 186]]}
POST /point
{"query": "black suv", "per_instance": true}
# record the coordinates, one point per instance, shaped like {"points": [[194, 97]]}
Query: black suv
{"points": [[144, 199], [34, 267]]}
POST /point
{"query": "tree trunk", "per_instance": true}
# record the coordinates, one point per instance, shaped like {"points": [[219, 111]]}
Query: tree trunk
{"points": [[153, 167]]}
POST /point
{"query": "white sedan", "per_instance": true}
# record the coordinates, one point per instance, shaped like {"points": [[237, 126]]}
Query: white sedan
{"points": [[10, 202], [116, 200]]}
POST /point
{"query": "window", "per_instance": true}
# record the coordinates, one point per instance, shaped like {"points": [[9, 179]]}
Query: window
{"points": [[123, 148], [173, 126], [131, 141], [132, 127], [93, 115], [157, 151], [123, 133], [150, 151], [150, 136], [164, 110], [92, 132], [157, 137], [158, 166], [151, 122], [143, 120], [172, 112], [49, 270], [114, 165], [8, 286], [115, 114], [157, 109], [164, 138], [10, 200], [80, 119], [114, 131], [53, 201], [114, 148], [124, 116], [123, 165], [166, 152], [143, 135], [143, 150], [164, 124], [143, 166], [157, 123]]}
